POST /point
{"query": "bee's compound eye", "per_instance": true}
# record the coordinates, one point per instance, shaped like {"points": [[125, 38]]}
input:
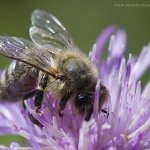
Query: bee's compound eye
{"points": [[83, 98]]}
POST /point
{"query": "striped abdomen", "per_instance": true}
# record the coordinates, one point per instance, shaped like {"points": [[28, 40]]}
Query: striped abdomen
{"points": [[17, 80]]}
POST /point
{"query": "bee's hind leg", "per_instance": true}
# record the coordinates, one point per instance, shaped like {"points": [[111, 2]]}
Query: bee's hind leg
{"points": [[38, 93], [27, 96]]}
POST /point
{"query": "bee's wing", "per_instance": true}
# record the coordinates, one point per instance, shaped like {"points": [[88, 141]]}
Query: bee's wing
{"points": [[47, 31], [25, 51]]}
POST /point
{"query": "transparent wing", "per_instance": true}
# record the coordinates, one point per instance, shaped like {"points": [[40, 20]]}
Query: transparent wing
{"points": [[47, 31], [25, 51]]}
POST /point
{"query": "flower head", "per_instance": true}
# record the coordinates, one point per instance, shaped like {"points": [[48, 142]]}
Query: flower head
{"points": [[127, 125]]}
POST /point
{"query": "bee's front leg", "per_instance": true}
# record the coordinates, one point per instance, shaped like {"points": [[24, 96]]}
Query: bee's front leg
{"points": [[62, 104]]}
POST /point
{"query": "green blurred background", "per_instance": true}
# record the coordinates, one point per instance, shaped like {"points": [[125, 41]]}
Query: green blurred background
{"points": [[84, 19]]}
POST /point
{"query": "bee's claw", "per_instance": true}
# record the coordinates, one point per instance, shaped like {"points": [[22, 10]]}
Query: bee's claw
{"points": [[38, 111], [106, 112]]}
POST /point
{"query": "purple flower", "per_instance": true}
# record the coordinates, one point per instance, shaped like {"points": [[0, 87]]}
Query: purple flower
{"points": [[127, 125]]}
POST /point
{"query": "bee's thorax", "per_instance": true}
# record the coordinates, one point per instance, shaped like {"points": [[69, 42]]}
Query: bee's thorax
{"points": [[76, 74]]}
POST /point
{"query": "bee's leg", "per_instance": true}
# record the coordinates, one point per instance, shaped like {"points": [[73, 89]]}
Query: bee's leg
{"points": [[27, 96], [31, 94], [40, 92], [62, 104]]}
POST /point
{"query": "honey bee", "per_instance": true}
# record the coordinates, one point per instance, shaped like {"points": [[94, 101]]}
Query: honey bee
{"points": [[50, 63]]}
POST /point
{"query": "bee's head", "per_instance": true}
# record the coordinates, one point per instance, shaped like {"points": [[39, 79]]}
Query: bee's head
{"points": [[84, 102]]}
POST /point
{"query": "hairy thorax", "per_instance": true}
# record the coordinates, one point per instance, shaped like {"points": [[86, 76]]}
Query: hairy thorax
{"points": [[75, 74]]}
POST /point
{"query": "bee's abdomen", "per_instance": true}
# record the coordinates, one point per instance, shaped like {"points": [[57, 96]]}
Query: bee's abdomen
{"points": [[17, 80]]}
